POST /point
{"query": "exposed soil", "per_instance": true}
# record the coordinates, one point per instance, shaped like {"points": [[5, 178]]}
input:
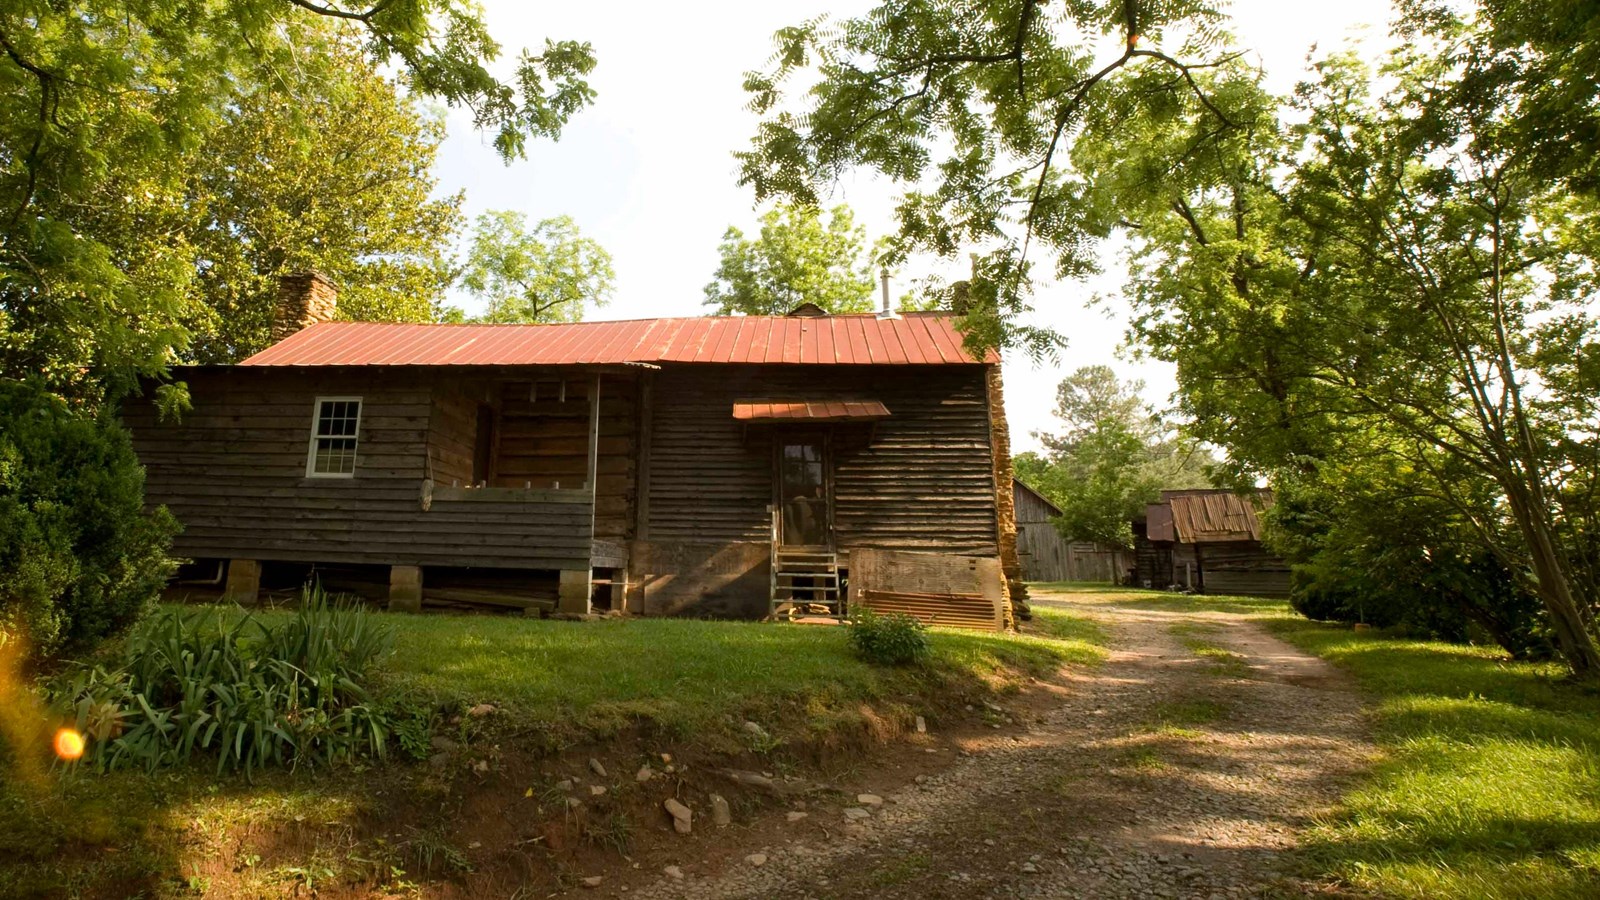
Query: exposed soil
{"points": [[1163, 773]]}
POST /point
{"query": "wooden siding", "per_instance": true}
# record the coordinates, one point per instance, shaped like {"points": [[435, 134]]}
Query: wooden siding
{"points": [[1245, 568], [921, 479], [233, 472]]}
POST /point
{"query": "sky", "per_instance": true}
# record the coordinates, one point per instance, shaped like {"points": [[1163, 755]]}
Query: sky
{"points": [[648, 169]]}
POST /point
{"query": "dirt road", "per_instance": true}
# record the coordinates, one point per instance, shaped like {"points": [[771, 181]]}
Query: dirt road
{"points": [[1183, 767]]}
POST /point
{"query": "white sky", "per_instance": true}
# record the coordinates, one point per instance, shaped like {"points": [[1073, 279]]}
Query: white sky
{"points": [[648, 169]]}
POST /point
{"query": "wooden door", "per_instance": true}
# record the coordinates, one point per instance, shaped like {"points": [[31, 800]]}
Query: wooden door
{"points": [[805, 509]]}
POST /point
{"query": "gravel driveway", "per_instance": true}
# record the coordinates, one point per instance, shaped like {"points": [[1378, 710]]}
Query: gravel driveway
{"points": [[1182, 767]]}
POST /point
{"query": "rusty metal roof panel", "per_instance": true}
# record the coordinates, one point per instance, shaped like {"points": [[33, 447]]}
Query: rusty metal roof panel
{"points": [[1205, 517], [919, 338], [756, 411]]}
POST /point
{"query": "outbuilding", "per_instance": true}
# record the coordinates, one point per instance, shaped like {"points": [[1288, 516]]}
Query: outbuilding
{"points": [[1208, 542]]}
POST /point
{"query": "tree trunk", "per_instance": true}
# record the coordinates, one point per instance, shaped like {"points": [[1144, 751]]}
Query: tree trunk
{"points": [[1555, 589]]}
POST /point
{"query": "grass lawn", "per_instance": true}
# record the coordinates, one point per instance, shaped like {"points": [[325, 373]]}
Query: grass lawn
{"points": [[1490, 781], [684, 675], [687, 684]]}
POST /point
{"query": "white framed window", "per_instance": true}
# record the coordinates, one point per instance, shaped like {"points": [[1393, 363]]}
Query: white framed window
{"points": [[335, 424]]}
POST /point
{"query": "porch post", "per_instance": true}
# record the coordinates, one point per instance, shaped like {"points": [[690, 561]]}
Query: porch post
{"points": [[577, 585]]}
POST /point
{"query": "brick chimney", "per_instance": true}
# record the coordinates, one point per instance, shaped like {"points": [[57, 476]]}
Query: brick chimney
{"points": [[304, 299]]}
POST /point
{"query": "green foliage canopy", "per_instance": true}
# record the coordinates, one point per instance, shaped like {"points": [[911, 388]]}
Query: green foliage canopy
{"points": [[102, 106], [289, 182], [973, 105], [547, 273], [797, 258], [1114, 455], [1379, 278]]}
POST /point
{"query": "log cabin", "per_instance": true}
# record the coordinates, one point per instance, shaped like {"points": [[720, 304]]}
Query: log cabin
{"points": [[1208, 542], [717, 466]]}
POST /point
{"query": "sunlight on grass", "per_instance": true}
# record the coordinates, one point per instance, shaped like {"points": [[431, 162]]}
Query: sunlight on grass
{"points": [[1491, 782]]}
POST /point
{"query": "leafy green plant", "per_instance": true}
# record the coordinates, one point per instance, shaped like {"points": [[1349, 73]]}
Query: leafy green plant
{"points": [[253, 694], [80, 557], [895, 639]]}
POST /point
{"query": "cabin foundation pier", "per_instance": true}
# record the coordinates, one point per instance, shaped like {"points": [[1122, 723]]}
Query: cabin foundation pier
{"points": [[244, 581], [405, 589], [573, 595]]}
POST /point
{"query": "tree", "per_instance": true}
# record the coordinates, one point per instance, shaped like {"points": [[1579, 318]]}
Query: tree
{"points": [[547, 273], [286, 183], [1386, 279], [103, 108], [1114, 456], [976, 104], [1533, 63], [797, 258]]}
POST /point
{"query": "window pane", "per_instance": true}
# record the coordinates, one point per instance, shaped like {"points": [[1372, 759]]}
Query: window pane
{"points": [[334, 447]]}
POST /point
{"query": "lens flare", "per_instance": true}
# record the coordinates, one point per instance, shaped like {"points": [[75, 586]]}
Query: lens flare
{"points": [[69, 744]]}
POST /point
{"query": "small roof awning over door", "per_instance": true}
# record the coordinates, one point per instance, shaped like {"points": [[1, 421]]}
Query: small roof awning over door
{"points": [[799, 411]]}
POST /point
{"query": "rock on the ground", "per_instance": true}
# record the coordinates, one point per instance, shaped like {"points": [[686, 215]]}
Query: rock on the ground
{"points": [[869, 800], [721, 815], [922, 725], [597, 790], [595, 767], [673, 872], [593, 881], [644, 774], [481, 710], [756, 859], [682, 816], [856, 813], [796, 815]]}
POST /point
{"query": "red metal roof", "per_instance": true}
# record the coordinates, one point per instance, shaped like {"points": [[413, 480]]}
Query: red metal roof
{"points": [[814, 410], [915, 338]]}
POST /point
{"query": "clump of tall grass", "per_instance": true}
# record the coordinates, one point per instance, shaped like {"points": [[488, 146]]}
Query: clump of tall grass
{"points": [[192, 683]]}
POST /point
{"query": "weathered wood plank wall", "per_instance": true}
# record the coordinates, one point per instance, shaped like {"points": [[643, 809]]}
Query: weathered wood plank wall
{"points": [[1245, 568], [920, 480], [233, 472]]}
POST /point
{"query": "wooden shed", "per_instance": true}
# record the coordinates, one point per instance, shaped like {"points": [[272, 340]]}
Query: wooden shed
{"points": [[1208, 541], [723, 466], [1045, 555]]}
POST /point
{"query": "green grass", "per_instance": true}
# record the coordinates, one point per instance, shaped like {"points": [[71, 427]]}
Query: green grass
{"points": [[1490, 786], [1086, 637], [685, 675], [1489, 781]]}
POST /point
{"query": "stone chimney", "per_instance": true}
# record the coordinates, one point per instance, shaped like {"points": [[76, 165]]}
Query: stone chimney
{"points": [[304, 299]]}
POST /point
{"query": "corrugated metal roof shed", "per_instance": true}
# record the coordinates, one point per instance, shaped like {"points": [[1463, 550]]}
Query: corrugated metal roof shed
{"points": [[913, 339]]}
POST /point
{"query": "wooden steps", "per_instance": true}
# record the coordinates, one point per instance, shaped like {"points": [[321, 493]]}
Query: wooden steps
{"points": [[805, 583]]}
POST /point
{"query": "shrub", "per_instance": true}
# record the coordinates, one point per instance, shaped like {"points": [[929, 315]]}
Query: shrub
{"points": [[252, 693], [895, 639], [80, 558]]}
